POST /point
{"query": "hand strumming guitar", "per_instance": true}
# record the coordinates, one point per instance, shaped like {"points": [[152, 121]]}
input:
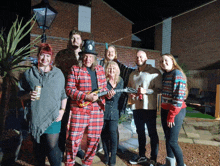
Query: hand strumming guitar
{"points": [[91, 97]]}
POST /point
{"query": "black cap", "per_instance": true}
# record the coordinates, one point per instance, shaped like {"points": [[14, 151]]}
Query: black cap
{"points": [[88, 47]]}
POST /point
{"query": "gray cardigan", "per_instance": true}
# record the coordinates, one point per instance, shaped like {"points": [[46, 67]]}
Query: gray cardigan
{"points": [[44, 111]]}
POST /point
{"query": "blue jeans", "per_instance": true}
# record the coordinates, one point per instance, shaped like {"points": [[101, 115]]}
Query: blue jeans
{"points": [[148, 117], [109, 140], [172, 134]]}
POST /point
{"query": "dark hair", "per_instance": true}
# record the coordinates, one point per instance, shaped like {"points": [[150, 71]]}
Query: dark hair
{"points": [[46, 49], [73, 32]]}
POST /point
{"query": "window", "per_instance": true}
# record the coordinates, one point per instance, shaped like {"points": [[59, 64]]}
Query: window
{"points": [[84, 19], [151, 62], [166, 36]]}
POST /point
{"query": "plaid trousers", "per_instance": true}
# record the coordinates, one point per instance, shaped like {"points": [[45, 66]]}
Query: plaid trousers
{"points": [[77, 125]]}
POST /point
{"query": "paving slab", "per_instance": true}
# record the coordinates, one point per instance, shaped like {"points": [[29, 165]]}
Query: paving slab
{"points": [[128, 146], [205, 142], [205, 135], [191, 131], [132, 141], [186, 140], [124, 133]]}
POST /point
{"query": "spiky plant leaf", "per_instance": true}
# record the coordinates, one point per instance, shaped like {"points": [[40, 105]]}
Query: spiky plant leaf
{"points": [[19, 35], [11, 56]]}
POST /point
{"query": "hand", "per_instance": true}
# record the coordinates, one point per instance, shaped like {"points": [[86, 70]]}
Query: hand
{"points": [[110, 94], [33, 95], [92, 97], [60, 116], [133, 95], [141, 90], [170, 124]]}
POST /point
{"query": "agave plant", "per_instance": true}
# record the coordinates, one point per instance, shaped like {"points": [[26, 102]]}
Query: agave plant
{"points": [[10, 61]]}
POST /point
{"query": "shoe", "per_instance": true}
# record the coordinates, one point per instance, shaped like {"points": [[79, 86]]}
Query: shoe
{"points": [[80, 154], [138, 160], [99, 150], [152, 163], [170, 161]]}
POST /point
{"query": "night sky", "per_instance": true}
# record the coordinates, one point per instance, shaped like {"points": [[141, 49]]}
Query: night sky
{"points": [[145, 13]]}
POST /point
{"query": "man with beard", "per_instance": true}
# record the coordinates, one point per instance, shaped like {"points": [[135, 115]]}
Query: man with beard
{"points": [[64, 60], [68, 57], [148, 81]]}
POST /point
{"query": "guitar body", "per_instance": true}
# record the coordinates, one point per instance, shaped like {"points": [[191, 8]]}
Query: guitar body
{"points": [[85, 103]]}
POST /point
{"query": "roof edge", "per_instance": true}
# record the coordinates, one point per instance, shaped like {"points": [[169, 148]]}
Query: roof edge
{"points": [[117, 11]]}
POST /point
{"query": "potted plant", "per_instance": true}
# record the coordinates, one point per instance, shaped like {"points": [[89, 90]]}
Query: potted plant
{"points": [[11, 56]]}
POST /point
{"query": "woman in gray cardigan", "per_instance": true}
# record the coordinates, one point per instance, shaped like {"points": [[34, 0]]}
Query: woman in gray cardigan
{"points": [[46, 112]]}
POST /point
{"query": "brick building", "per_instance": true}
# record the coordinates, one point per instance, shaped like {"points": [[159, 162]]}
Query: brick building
{"points": [[107, 25], [194, 37], [195, 42]]}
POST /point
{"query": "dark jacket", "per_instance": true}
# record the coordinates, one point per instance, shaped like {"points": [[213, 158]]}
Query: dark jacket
{"points": [[125, 71], [112, 106]]}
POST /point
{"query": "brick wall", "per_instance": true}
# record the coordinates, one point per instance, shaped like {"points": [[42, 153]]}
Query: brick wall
{"points": [[195, 37], [107, 25]]}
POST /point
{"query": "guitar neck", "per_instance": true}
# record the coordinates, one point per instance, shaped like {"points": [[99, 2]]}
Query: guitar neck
{"points": [[105, 92]]}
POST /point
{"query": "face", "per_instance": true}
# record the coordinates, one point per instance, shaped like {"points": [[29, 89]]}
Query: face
{"points": [[88, 59], [76, 40], [111, 70], [166, 63], [44, 59], [110, 54], [141, 58]]}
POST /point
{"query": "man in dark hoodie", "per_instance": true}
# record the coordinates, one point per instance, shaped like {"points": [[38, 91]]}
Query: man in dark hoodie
{"points": [[64, 60]]}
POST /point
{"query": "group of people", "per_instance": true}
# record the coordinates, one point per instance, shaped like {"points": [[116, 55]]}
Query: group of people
{"points": [[80, 93]]}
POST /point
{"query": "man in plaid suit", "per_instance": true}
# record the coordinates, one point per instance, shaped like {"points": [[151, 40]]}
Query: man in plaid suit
{"points": [[82, 79]]}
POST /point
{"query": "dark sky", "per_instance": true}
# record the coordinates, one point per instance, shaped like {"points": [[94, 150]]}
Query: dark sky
{"points": [[144, 13]]}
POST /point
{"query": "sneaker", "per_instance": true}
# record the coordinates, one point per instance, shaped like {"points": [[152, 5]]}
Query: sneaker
{"points": [[138, 160], [152, 163]]}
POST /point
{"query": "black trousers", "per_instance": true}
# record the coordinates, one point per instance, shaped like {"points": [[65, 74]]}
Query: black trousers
{"points": [[109, 140]]}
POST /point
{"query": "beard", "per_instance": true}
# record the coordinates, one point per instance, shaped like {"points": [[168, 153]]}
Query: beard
{"points": [[74, 47], [141, 64]]}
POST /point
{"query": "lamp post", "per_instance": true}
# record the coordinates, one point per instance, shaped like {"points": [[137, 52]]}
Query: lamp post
{"points": [[44, 15]]}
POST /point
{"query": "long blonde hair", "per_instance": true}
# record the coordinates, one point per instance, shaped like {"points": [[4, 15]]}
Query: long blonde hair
{"points": [[176, 66], [117, 74]]}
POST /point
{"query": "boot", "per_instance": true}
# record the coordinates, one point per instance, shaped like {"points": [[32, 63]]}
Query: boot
{"points": [[170, 161]]}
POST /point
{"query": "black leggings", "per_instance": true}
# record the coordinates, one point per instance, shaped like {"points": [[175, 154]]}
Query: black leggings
{"points": [[48, 146]]}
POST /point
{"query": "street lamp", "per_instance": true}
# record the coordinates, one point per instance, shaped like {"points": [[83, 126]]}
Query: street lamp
{"points": [[44, 15]]}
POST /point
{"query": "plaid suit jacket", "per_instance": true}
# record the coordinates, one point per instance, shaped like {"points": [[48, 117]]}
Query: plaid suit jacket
{"points": [[79, 84]]}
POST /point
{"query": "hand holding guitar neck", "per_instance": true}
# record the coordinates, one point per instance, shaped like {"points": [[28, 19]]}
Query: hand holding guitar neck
{"points": [[110, 94]]}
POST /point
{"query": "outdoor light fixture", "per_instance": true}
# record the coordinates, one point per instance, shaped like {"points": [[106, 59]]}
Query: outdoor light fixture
{"points": [[44, 15]]}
